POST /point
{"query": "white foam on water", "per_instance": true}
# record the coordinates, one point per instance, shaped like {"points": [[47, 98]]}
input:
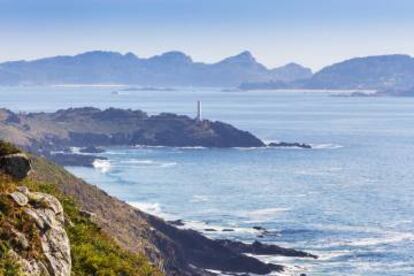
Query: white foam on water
{"points": [[329, 256], [75, 150], [168, 165], [193, 148], [326, 146], [102, 165], [387, 238], [199, 198], [150, 208], [218, 229]]}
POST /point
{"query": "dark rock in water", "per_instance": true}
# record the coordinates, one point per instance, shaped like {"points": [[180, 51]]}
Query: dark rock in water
{"points": [[92, 149], [16, 165], [202, 252], [296, 145], [73, 159], [228, 230], [259, 248], [177, 222], [259, 228], [210, 230]]}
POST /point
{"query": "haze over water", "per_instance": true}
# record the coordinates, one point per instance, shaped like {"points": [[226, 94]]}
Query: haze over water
{"points": [[348, 200]]}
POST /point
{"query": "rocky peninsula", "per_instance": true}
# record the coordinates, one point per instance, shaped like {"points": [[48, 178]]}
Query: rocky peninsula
{"points": [[51, 134]]}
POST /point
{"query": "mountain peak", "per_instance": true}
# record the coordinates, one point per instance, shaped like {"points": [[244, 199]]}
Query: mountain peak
{"points": [[173, 56], [244, 57], [98, 54]]}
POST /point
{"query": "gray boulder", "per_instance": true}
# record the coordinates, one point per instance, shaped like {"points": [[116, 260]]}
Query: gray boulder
{"points": [[17, 165]]}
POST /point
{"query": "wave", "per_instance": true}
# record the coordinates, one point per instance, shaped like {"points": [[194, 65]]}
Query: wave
{"points": [[326, 146], [192, 148], [150, 208], [102, 165], [199, 198], [214, 229], [387, 238]]}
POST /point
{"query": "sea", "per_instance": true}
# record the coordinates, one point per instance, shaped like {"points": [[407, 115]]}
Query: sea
{"points": [[349, 199]]}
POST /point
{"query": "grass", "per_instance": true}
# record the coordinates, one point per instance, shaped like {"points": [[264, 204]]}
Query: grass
{"points": [[93, 252]]}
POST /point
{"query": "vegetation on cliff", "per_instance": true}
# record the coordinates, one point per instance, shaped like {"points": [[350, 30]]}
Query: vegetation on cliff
{"points": [[92, 251]]}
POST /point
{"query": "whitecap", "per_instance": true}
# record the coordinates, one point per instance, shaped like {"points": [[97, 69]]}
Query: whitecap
{"points": [[148, 207], [102, 165], [168, 165], [193, 148], [75, 150], [326, 146], [199, 198], [217, 229], [387, 238]]}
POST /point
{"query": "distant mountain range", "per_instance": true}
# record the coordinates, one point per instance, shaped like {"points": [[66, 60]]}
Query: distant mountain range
{"points": [[178, 69], [383, 73], [169, 69]]}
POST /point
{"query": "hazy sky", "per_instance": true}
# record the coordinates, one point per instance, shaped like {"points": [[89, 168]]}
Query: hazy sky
{"points": [[312, 32]]}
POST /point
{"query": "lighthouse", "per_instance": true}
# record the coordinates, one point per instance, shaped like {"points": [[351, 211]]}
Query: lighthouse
{"points": [[198, 118]]}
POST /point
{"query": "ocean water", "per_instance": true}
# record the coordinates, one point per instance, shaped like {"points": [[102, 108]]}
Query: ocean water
{"points": [[349, 200]]}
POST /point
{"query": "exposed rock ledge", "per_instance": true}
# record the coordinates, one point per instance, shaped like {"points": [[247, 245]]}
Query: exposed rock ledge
{"points": [[46, 212], [45, 215]]}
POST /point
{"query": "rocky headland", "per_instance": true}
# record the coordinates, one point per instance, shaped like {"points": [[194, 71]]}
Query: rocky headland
{"points": [[52, 134]]}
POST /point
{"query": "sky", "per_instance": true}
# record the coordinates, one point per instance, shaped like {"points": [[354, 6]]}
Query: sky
{"points": [[314, 33]]}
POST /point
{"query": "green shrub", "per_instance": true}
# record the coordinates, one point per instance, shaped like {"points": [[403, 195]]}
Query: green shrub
{"points": [[93, 252], [8, 148]]}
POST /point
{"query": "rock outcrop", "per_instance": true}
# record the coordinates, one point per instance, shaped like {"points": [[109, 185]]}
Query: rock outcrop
{"points": [[32, 223], [16, 165], [46, 213], [290, 145]]}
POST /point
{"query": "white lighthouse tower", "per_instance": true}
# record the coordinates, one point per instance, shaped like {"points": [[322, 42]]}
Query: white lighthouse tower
{"points": [[198, 118]]}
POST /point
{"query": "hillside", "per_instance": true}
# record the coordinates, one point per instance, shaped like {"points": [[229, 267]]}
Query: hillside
{"points": [[169, 69], [374, 72], [44, 232], [111, 237]]}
